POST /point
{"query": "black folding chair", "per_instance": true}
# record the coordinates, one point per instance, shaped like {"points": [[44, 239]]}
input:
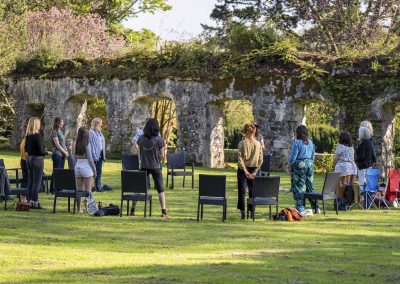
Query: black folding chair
{"points": [[15, 180], [265, 192], [266, 165], [130, 162], [212, 191], [10, 191], [134, 187], [64, 185], [331, 184], [176, 166]]}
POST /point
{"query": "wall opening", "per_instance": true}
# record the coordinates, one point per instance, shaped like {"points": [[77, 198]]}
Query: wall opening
{"points": [[322, 120], [164, 110]]}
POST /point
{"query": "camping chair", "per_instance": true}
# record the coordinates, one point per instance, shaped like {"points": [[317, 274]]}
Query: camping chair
{"points": [[176, 166], [331, 184], [4, 187], [266, 165], [64, 185], [265, 192], [134, 187], [380, 195], [130, 162], [371, 188], [373, 192], [212, 191]]}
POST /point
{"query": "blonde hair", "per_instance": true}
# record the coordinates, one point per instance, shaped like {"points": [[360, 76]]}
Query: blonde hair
{"points": [[364, 133], [368, 125], [95, 122], [33, 126]]}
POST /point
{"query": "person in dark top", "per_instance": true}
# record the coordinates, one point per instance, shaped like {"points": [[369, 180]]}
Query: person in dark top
{"points": [[35, 149], [366, 156], [151, 152], [60, 151]]}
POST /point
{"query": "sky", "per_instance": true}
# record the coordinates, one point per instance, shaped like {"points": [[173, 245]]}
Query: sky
{"points": [[180, 23]]}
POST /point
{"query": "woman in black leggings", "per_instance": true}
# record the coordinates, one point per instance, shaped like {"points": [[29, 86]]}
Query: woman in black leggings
{"points": [[151, 151]]}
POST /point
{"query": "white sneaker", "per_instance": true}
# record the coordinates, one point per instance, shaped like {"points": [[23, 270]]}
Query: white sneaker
{"points": [[306, 213]]}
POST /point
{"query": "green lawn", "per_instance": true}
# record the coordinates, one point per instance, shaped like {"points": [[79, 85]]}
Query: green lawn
{"points": [[38, 246]]}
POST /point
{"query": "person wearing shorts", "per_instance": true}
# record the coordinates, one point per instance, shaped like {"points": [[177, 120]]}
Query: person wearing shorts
{"points": [[151, 151], [85, 169]]}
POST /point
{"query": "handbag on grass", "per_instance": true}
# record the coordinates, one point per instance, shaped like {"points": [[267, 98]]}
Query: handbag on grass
{"points": [[23, 206], [90, 204]]}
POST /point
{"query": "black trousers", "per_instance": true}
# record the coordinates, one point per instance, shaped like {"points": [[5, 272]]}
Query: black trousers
{"points": [[35, 173], [157, 177], [243, 183]]}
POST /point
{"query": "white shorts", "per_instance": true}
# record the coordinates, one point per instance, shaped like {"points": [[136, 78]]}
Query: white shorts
{"points": [[83, 168]]}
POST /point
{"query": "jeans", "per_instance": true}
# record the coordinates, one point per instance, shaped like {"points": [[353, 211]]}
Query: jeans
{"points": [[362, 179], [243, 184], [58, 163], [99, 170], [35, 173]]}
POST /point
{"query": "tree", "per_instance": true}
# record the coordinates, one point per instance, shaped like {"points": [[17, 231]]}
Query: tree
{"points": [[164, 111], [113, 11], [333, 26]]}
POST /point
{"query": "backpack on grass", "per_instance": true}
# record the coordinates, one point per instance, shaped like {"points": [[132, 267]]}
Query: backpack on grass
{"points": [[110, 210]]}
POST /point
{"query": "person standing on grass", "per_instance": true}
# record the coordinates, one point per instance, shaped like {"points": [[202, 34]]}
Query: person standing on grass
{"points": [[260, 139], [34, 146], [343, 161], [301, 168], [250, 158], [366, 156], [85, 169], [24, 155], [60, 151], [151, 153], [98, 144]]}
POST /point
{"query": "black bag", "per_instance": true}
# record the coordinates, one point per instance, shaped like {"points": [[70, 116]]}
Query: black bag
{"points": [[341, 204], [107, 187], [111, 210], [349, 194]]}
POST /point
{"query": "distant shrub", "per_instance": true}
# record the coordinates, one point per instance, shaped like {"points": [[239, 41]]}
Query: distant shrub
{"points": [[4, 143], [324, 137], [323, 163]]}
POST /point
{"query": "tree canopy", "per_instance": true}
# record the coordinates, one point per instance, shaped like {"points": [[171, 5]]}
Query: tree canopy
{"points": [[332, 26]]}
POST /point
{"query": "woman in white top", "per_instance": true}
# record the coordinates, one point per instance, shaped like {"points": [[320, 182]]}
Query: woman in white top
{"points": [[344, 160]]}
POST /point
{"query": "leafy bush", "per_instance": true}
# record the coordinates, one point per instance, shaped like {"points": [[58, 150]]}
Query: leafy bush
{"points": [[4, 143], [323, 163], [324, 137]]}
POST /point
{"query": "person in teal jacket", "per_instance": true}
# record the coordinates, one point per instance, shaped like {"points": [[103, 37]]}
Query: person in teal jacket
{"points": [[301, 168]]}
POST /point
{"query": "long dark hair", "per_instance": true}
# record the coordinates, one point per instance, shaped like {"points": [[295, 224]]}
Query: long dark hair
{"points": [[302, 133], [345, 138], [151, 129], [57, 123], [82, 141]]}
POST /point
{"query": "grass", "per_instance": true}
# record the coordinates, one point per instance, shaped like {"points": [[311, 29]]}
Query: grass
{"points": [[38, 246]]}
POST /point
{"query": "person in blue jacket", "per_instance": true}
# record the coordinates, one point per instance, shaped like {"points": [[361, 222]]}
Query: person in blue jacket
{"points": [[301, 168]]}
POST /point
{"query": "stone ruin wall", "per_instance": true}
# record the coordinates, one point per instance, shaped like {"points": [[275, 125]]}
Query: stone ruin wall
{"points": [[278, 107]]}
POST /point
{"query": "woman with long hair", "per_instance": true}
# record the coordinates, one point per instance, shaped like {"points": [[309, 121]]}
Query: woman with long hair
{"points": [[250, 158], [85, 169], [34, 147], [60, 152], [24, 155], [301, 168], [343, 161], [98, 144], [151, 154]]}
